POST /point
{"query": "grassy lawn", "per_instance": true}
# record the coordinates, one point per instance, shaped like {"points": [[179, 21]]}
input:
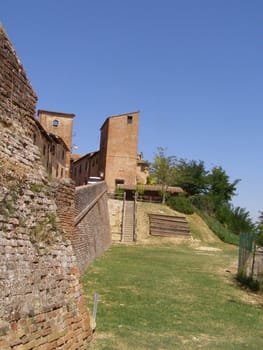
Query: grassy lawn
{"points": [[171, 297]]}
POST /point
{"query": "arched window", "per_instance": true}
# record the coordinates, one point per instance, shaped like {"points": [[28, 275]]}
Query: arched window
{"points": [[55, 123]]}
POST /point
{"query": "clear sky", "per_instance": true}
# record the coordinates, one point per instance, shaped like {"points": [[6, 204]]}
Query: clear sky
{"points": [[192, 67]]}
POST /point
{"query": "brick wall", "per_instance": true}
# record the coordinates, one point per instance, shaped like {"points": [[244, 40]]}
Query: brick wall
{"points": [[42, 305], [92, 235]]}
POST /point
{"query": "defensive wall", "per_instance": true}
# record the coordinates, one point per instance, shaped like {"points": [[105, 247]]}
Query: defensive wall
{"points": [[42, 305], [92, 234]]}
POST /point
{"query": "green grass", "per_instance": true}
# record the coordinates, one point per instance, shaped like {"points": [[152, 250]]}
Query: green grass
{"points": [[222, 232], [171, 297]]}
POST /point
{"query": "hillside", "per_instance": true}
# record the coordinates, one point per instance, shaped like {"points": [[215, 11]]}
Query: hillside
{"points": [[199, 229]]}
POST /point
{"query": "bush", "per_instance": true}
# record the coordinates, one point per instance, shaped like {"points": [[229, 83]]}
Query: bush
{"points": [[248, 282], [259, 239], [181, 204], [220, 230]]}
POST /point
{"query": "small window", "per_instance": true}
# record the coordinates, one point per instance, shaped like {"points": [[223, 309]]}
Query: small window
{"points": [[119, 182], [55, 123], [44, 150], [80, 169], [53, 149], [62, 172], [129, 119]]}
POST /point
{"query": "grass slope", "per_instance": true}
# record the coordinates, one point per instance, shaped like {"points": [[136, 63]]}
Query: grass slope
{"points": [[168, 293], [165, 297]]}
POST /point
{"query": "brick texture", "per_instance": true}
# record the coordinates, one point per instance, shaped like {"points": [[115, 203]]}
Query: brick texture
{"points": [[92, 234], [42, 305]]}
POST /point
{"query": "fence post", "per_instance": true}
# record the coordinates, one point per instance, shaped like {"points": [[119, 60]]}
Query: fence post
{"points": [[123, 216]]}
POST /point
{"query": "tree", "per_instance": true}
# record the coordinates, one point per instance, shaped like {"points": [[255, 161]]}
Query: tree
{"points": [[220, 189], [240, 221], [163, 170], [259, 229], [191, 176]]}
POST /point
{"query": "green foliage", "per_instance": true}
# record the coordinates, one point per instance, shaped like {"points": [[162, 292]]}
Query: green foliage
{"points": [[191, 176], [248, 282], [220, 230], [209, 191], [119, 192], [181, 204], [150, 180], [36, 187], [259, 239], [220, 189], [259, 230], [46, 231], [240, 221], [163, 170]]}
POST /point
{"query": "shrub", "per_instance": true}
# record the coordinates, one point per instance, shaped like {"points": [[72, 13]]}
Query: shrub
{"points": [[259, 239], [248, 282], [219, 229], [181, 204]]}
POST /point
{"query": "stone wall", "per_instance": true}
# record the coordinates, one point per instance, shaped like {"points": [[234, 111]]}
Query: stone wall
{"points": [[116, 213], [92, 236], [42, 305]]}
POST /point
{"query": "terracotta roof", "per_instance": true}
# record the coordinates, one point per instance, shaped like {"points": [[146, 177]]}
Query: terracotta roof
{"points": [[75, 156], [155, 188], [88, 155]]}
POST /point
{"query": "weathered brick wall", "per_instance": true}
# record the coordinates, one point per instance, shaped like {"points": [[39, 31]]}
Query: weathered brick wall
{"points": [[42, 305], [93, 235]]}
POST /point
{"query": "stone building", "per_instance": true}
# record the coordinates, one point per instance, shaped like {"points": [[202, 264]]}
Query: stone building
{"points": [[119, 149], [53, 151], [59, 126], [85, 167], [117, 161]]}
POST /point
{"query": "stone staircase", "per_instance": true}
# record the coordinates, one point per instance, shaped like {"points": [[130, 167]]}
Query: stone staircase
{"points": [[128, 222]]}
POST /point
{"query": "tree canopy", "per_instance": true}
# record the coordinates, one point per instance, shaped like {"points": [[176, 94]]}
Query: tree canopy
{"points": [[163, 170], [208, 190]]}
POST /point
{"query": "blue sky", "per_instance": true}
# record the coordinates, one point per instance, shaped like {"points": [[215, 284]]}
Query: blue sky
{"points": [[192, 67]]}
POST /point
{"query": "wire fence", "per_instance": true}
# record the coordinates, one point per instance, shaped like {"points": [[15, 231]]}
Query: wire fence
{"points": [[250, 260]]}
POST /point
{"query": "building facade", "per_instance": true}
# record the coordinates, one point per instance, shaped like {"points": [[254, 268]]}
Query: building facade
{"points": [[85, 167], [117, 161], [119, 149], [53, 151], [59, 126]]}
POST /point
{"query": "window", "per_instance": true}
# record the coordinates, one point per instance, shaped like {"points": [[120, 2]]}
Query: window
{"points": [[55, 123], [119, 182], [53, 149], [44, 150], [129, 119], [80, 169], [62, 172], [63, 154]]}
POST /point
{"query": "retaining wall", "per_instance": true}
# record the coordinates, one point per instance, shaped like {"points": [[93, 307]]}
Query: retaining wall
{"points": [[92, 234]]}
